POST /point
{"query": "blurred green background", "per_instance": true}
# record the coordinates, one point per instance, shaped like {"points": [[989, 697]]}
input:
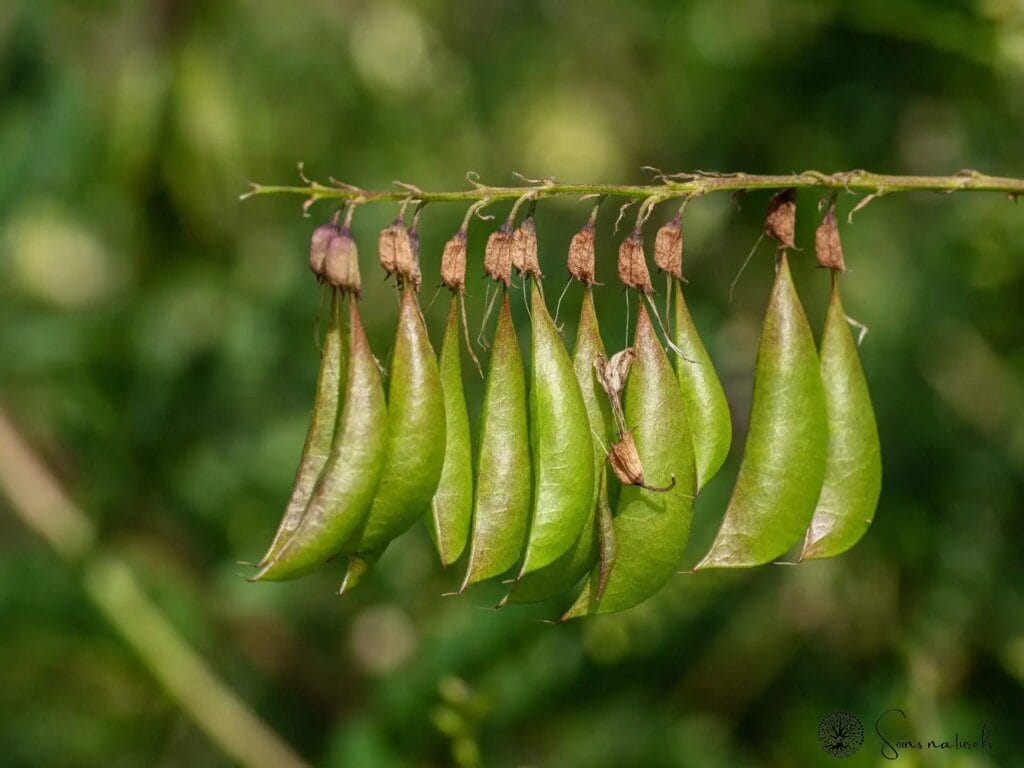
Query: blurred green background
{"points": [[156, 346]]}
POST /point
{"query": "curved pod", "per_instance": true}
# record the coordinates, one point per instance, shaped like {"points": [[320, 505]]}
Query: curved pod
{"points": [[501, 504], [853, 468], [784, 457], [707, 410], [561, 446], [651, 529], [344, 492], [452, 506]]}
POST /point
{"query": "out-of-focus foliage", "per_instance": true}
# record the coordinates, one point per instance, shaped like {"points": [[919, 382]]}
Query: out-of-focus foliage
{"points": [[156, 342]]}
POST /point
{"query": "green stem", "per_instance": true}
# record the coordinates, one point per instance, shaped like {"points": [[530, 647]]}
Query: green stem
{"points": [[672, 186]]}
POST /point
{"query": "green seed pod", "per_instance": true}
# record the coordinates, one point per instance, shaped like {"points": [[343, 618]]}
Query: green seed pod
{"points": [[452, 506], [853, 469], [358, 566], [565, 572], [344, 492], [501, 506], [707, 410], [561, 446], [320, 435], [416, 434], [784, 458], [651, 528]]}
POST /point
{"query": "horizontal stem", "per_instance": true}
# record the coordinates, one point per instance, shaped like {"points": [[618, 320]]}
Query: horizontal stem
{"points": [[671, 186]]}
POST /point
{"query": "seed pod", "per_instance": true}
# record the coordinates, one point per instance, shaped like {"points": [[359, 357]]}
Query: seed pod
{"points": [[651, 529], [524, 249], [416, 434], [453, 262], [498, 255], [581, 254], [827, 245], [561, 575], [501, 505], [318, 247], [341, 266], [633, 264], [452, 506], [561, 445], [707, 410], [853, 467], [345, 489], [780, 220], [356, 568], [783, 464], [668, 247], [326, 407]]}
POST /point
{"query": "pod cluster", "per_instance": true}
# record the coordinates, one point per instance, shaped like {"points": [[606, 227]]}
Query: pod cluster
{"points": [[581, 479]]}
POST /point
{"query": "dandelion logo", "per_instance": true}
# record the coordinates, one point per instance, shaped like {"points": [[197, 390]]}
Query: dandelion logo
{"points": [[840, 733]]}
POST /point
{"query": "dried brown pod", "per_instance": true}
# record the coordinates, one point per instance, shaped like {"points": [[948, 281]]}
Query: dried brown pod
{"points": [[341, 263], [453, 262], [668, 247], [498, 254], [780, 219], [633, 263], [318, 246], [581, 254], [625, 463], [827, 245], [524, 249]]}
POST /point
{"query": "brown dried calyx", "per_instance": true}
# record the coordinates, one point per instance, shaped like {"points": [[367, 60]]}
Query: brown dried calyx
{"points": [[668, 247], [397, 248], [633, 263], [341, 263], [827, 245], [453, 262], [498, 254], [318, 245], [524, 249], [625, 463], [780, 220], [581, 254]]}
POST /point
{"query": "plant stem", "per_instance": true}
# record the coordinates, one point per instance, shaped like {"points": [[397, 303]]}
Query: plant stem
{"points": [[672, 186]]}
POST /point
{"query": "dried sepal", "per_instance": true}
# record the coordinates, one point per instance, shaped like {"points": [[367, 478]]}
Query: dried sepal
{"points": [[624, 460], [668, 247], [633, 263], [827, 245], [498, 254], [341, 264], [612, 375], [581, 254], [318, 246], [453, 262], [524, 249], [409, 261], [387, 244], [780, 219]]}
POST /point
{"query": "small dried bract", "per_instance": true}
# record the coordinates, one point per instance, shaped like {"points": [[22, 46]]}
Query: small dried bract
{"points": [[409, 260], [633, 264], [827, 246], [780, 220], [498, 254], [581, 254], [453, 262], [668, 247], [625, 463], [524, 249], [341, 264], [318, 247]]}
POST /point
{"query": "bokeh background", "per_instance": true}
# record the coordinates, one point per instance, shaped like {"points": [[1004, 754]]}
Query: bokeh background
{"points": [[157, 350]]}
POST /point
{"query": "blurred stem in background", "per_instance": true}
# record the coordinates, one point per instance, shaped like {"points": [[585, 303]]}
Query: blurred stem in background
{"points": [[35, 496]]}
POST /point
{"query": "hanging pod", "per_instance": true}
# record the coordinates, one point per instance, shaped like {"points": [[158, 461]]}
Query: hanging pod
{"points": [[783, 464], [501, 504], [346, 486], [651, 527], [565, 572], [561, 446], [853, 467], [320, 435], [707, 410], [415, 445]]}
